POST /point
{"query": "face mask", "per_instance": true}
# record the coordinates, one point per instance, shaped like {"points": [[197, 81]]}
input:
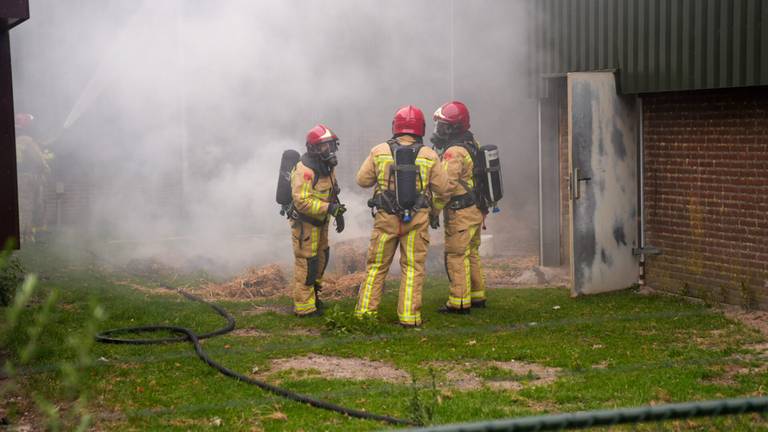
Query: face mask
{"points": [[443, 130], [329, 158], [439, 143]]}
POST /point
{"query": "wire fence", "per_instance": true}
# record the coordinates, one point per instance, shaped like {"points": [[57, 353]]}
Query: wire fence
{"points": [[727, 414]]}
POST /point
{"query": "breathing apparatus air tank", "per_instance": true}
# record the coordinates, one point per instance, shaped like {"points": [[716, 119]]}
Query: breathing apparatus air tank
{"points": [[491, 184], [283, 195], [406, 175]]}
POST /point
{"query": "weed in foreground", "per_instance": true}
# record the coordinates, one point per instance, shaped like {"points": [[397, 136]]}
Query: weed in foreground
{"points": [[339, 322], [424, 401], [25, 340], [11, 275]]}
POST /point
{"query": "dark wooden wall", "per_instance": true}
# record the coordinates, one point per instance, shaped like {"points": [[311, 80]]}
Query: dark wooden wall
{"points": [[12, 13]]}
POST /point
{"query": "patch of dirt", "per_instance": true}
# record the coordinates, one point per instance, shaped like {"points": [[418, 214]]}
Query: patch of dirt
{"points": [[712, 340], [461, 380], [542, 406], [757, 320], [743, 364], [731, 372], [254, 283], [29, 419], [457, 376], [461, 377], [542, 375], [760, 348], [340, 368]]}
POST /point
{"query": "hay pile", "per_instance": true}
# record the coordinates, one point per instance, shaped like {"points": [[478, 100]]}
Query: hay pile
{"points": [[254, 283], [348, 257], [270, 282], [339, 287]]}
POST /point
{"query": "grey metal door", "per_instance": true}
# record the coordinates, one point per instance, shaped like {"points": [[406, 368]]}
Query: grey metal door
{"points": [[603, 138]]}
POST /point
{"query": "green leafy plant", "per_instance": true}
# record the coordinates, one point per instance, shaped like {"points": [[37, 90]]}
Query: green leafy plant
{"points": [[11, 276], [339, 322], [26, 340], [424, 401]]}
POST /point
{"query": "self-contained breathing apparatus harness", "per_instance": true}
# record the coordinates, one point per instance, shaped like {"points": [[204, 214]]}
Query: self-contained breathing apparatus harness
{"points": [[321, 170], [473, 195], [391, 201]]}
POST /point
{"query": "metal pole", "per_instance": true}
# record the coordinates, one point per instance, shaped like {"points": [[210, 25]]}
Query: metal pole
{"points": [[641, 196], [541, 193]]}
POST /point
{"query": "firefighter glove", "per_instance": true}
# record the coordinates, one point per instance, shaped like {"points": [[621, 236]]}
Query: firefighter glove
{"points": [[434, 221], [339, 223], [336, 209]]}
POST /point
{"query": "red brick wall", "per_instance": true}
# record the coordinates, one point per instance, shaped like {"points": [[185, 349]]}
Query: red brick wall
{"points": [[706, 194]]}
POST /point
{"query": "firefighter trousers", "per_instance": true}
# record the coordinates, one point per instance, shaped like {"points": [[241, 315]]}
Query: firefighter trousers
{"points": [[389, 232], [462, 263], [311, 253]]}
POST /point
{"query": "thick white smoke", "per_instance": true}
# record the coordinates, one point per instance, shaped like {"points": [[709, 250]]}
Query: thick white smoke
{"points": [[170, 116]]}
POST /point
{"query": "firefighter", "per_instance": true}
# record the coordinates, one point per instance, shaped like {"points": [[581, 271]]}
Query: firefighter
{"points": [[464, 212], [315, 195], [33, 171], [395, 225]]}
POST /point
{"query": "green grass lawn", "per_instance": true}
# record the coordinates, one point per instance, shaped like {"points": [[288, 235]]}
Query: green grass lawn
{"points": [[613, 350]]}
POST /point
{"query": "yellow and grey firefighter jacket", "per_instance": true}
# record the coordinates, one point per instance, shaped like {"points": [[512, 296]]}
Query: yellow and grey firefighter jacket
{"points": [[390, 231], [311, 195], [462, 222]]}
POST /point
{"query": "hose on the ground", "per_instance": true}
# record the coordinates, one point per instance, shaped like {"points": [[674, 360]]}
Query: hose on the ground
{"points": [[109, 336]]}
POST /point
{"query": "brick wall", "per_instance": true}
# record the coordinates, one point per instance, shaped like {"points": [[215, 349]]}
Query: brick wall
{"points": [[706, 194]]}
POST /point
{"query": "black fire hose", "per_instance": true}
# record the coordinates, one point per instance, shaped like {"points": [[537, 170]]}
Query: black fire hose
{"points": [[188, 335]]}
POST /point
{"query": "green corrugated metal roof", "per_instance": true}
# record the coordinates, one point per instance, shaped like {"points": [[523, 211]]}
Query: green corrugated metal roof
{"points": [[656, 45]]}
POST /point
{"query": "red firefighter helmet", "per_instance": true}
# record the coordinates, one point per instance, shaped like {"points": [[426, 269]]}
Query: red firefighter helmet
{"points": [[23, 120], [408, 120], [454, 113], [320, 134]]}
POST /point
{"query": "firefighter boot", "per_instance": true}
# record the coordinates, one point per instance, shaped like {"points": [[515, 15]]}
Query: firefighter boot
{"points": [[450, 310]]}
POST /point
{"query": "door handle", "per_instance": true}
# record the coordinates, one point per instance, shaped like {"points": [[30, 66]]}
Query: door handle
{"points": [[576, 184]]}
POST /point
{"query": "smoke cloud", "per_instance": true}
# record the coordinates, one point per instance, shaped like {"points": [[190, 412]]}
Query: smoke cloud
{"points": [[167, 118]]}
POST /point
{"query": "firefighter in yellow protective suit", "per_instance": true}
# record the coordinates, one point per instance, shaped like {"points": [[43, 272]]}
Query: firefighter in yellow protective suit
{"points": [[33, 171], [464, 212], [401, 217], [315, 200]]}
